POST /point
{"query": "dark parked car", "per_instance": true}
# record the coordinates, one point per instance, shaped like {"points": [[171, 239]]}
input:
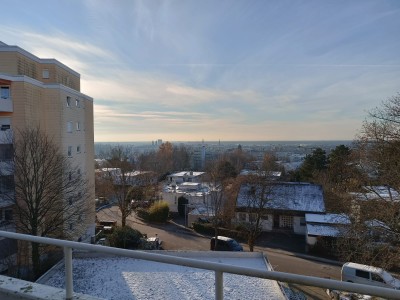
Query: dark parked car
{"points": [[225, 244]]}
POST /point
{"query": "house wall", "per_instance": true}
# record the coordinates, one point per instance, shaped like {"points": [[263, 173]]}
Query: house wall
{"points": [[299, 225], [172, 199], [267, 223]]}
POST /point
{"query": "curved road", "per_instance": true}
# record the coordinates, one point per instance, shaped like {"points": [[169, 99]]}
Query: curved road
{"points": [[176, 237]]}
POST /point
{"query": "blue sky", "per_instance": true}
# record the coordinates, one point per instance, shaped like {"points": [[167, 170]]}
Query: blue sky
{"points": [[189, 70]]}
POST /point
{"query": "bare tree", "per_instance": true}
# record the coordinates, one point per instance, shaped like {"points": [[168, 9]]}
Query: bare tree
{"points": [[118, 174], [255, 193], [377, 198], [50, 193]]}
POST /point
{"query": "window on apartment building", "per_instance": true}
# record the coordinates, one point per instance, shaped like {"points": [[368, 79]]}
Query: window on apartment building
{"points": [[5, 92], [78, 126], [6, 152], [45, 74], [68, 101], [69, 126], [77, 103], [69, 151], [5, 127], [8, 215], [71, 226], [78, 149]]}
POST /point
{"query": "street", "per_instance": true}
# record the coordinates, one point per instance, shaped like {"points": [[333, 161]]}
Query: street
{"points": [[176, 237]]}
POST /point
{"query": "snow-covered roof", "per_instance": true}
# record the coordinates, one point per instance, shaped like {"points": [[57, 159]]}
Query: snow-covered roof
{"points": [[327, 218], [126, 278], [202, 210], [382, 192], [246, 172], [186, 174], [294, 196], [324, 230]]}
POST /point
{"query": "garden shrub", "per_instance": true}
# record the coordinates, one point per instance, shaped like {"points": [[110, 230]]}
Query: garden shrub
{"points": [[125, 237], [158, 212]]}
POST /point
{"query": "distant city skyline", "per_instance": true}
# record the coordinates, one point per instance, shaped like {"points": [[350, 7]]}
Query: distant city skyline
{"points": [[219, 70]]}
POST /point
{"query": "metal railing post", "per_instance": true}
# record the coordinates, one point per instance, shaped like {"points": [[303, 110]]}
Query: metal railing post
{"points": [[69, 287], [219, 285]]}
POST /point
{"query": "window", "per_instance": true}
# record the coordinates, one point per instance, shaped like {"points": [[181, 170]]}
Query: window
{"points": [[8, 215], [252, 218], [363, 274], [45, 74], [77, 103], [71, 226], [78, 126], [5, 92], [264, 217], [69, 151], [69, 126], [286, 222], [242, 217], [68, 101], [78, 149], [5, 127], [376, 277]]}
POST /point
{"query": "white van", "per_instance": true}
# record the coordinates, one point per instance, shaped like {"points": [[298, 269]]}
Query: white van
{"points": [[364, 274]]}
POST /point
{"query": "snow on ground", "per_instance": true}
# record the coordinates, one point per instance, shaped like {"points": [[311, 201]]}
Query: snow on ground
{"points": [[127, 278]]}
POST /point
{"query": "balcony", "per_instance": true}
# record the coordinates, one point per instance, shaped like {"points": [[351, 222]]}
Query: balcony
{"points": [[17, 289], [5, 135], [6, 105]]}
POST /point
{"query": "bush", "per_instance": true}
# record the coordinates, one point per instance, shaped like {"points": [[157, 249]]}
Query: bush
{"points": [[205, 228], [125, 237], [143, 213], [159, 212]]}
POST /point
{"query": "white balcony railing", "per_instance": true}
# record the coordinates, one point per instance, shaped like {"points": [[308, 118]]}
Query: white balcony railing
{"points": [[201, 264]]}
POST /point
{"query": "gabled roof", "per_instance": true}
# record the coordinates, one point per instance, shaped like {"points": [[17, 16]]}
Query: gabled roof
{"points": [[293, 196]]}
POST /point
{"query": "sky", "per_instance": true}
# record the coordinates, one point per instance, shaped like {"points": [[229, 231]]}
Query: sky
{"points": [[186, 70]]}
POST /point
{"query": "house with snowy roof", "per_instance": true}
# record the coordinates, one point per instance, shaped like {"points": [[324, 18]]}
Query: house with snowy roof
{"points": [[185, 176], [286, 205], [325, 226]]}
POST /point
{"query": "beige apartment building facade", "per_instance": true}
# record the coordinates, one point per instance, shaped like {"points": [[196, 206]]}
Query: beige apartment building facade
{"points": [[45, 93]]}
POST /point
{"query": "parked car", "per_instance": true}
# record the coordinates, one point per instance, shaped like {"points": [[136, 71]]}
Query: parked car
{"points": [[225, 244], [358, 273]]}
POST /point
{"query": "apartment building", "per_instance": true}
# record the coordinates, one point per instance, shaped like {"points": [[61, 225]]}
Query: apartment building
{"points": [[46, 93]]}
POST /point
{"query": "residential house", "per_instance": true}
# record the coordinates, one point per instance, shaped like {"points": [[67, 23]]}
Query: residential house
{"points": [[325, 226], [286, 204]]}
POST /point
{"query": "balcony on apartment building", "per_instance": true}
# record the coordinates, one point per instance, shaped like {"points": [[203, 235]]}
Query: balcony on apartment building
{"points": [[215, 272], [6, 104]]}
